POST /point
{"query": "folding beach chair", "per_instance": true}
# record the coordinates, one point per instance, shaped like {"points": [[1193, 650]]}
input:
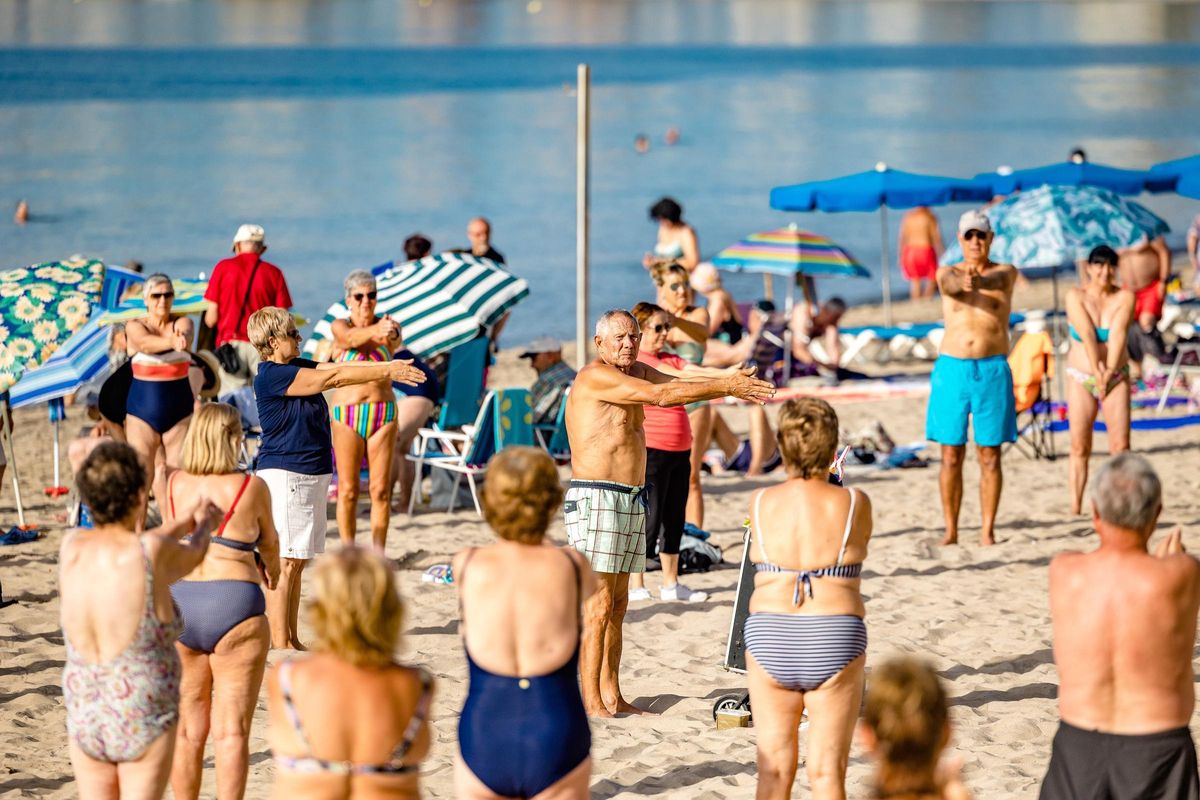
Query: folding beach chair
{"points": [[553, 437], [464, 384], [1032, 365], [505, 419]]}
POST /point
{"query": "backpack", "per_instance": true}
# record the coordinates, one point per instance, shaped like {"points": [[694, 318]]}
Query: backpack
{"points": [[697, 555]]}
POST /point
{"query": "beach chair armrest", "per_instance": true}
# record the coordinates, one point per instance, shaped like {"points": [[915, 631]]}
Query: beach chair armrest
{"points": [[442, 436]]}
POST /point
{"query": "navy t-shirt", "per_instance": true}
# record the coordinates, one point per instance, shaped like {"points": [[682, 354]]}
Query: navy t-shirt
{"points": [[295, 430]]}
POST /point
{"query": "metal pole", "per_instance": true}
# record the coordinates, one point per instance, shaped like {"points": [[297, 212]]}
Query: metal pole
{"points": [[10, 453], [582, 134], [885, 274], [1056, 336]]}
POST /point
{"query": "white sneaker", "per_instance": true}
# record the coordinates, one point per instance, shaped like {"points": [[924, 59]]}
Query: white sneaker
{"points": [[681, 592], [639, 594]]}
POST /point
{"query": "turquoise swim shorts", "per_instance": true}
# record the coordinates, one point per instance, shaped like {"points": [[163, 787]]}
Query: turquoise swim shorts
{"points": [[978, 388]]}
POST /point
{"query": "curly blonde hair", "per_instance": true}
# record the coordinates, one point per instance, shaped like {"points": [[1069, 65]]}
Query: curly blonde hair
{"points": [[662, 272], [808, 436], [521, 494], [210, 446], [356, 612], [906, 711]]}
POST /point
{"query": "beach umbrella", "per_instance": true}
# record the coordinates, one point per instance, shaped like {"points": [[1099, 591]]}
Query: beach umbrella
{"points": [[878, 189], [40, 308], [189, 299], [439, 301], [1178, 166], [794, 252], [1083, 173]]}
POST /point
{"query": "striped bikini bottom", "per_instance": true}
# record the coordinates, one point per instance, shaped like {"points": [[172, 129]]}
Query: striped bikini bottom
{"points": [[802, 651], [365, 418]]}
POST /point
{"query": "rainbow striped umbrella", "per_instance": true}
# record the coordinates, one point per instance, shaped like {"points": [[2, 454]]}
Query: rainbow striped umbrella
{"points": [[790, 251]]}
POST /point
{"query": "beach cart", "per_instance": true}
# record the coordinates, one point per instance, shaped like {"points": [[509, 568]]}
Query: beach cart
{"points": [[735, 648]]}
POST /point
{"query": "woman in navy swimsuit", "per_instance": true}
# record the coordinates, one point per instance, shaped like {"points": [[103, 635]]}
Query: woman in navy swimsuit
{"points": [[520, 607]]}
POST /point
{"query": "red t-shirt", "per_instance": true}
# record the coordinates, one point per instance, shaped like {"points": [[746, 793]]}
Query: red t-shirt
{"points": [[227, 288], [666, 428]]}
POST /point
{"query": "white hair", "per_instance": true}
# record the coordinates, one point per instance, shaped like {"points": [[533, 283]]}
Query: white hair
{"points": [[359, 277], [603, 324], [156, 279], [1127, 492]]}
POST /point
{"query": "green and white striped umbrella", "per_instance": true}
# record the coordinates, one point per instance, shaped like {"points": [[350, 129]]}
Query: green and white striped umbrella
{"points": [[440, 301]]}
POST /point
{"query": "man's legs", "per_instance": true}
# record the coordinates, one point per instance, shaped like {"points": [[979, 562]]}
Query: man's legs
{"points": [[991, 481], [597, 612], [951, 486], [610, 668]]}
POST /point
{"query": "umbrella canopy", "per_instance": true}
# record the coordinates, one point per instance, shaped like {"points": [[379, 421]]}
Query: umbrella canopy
{"points": [[1178, 166], [1084, 173], [80, 359], [789, 251], [40, 307], [439, 301], [1055, 226], [882, 186], [189, 299]]}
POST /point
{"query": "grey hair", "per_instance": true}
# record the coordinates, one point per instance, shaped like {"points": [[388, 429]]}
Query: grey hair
{"points": [[602, 324], [359, 277], [1127, 493], [154, 280]]}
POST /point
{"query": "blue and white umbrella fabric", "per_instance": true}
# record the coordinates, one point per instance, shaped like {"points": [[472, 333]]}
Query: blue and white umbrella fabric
{"points": [[439, 301], [80, 359]]}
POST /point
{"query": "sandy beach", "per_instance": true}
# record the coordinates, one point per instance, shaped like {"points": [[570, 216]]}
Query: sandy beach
{"points": [[979, 614]]}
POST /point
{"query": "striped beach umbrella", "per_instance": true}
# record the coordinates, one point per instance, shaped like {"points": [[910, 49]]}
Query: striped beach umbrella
{"points": [[189, 299], [81, 358], [790, 251], [439, 301]]}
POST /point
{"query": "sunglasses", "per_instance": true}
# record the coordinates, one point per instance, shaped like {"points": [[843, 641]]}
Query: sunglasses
{"points": [[969, 235], [677, 287], [661, 328], [359, 297], [161, 295], [292, 334]]}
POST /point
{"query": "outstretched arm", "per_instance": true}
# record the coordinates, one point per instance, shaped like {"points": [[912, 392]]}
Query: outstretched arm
{"points": [[309, 381], [647, 386]]}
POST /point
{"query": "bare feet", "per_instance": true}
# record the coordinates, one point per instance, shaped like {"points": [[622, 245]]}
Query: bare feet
{"points": [[988, 538], [600, 712], [296, 645], [950, 538], [623, 706]]}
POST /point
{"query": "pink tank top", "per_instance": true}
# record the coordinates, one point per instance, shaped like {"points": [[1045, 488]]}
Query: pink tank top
{"points": [[666, 428]]}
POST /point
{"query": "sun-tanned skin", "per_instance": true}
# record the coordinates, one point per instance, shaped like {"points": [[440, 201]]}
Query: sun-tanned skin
{"points": [[976, 301], [604, 423]]}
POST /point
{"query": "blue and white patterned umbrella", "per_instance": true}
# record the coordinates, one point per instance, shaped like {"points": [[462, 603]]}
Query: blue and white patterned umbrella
{"points": [[439, 301], [78, 360], [1055, 226]]}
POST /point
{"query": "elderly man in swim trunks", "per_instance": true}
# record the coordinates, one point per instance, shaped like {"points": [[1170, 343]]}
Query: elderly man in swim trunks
{"points": [[971, 378], [604, 507], [1124, 628], [920, 248], [1144, 269]]}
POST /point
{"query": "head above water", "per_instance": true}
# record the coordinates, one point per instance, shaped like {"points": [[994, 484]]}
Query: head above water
{"points": [[617, 338], [1126, 493]]}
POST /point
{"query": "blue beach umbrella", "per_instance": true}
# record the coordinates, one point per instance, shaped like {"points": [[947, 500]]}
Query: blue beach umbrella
{"points": [[1084, 173], [80, 359], [1178, 166], [879, 189]]}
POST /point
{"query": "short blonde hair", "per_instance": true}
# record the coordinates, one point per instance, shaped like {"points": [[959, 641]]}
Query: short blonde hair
{"points": [[356, 612], [522, 492], [661, 272], [265, 323], [210, 446], [808, 436], [906, 709]]}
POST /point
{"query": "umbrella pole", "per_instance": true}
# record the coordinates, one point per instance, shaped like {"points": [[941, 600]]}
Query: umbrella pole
{"points": [[582, 133], [1056, 334], [885, 275], [767, 286], [787, 334], [11, 455]]}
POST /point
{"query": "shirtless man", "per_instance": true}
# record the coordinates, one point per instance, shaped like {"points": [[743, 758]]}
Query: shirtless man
{"points": [[1124, 629], [920, 248], [604, 509], [971, 376], [1143, 269]]}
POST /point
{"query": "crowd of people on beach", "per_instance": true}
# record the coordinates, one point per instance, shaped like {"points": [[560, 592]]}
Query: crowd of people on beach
{"points": [[153, 675]]}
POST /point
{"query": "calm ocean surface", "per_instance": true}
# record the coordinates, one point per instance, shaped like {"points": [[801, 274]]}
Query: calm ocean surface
{"points": [[150, 130]]}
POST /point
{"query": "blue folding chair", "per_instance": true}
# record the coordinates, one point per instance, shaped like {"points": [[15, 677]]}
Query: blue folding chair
{"points": [[464, 384], [553, 436]]}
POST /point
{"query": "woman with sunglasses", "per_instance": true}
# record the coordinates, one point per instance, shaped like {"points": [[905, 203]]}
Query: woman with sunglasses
{"points": [[1098, 317], [364, 415], [293, 458], [161, 399], [688, 339]]}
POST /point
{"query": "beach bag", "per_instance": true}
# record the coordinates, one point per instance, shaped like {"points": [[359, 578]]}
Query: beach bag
{"points": [[227, 355], [697, 555]]}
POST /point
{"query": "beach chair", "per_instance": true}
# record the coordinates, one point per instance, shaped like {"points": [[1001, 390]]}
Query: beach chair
{"points": [[1032, 365], [553, 437], [464, 384], [1178, 368], [878, 344], [505, 419]]}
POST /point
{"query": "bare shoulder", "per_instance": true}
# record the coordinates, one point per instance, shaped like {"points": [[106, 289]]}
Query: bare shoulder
{"points": [[340, 325], [639, 371], [696, 314], [1064, 564]]}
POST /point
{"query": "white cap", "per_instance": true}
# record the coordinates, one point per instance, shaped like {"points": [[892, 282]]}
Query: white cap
{"points": [[250, 233], [974, 220], [542, 344]]}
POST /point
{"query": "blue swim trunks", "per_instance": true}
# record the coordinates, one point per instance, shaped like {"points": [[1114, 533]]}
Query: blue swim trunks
{"points": [[981, 388]]}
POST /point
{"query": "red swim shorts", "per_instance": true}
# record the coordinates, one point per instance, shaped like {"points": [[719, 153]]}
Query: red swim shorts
{"points": [[1149, 300], [918, 262]]}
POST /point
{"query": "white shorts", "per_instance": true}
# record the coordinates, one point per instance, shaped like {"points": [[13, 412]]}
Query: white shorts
{"points": [[298, 508]]}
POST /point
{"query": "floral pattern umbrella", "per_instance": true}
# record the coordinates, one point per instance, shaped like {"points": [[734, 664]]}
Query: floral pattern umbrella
{"points": [[40, 307], [1055, 226]]}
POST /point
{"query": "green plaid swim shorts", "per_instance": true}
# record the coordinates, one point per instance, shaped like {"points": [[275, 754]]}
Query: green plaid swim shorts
{"points": [[606, 521]]}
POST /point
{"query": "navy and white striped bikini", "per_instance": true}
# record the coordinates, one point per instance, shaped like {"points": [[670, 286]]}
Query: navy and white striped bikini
{"points": [[802, 651]]}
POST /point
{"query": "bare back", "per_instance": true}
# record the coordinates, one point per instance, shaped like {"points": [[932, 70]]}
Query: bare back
{"points": [[1124, 629], [800, 525], [977, 321], [607, 439], [251, 516], [918, 228]]}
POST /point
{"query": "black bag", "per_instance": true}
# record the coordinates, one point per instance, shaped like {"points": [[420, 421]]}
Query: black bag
{"points": [[227, 355]]}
